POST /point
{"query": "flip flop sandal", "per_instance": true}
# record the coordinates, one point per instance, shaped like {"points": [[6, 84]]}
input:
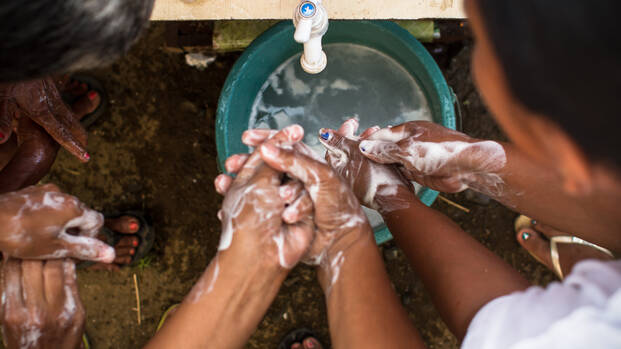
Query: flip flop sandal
{"points": [[165, 316], [296, 336], [146, 237], [94, 85], [522, 222]]}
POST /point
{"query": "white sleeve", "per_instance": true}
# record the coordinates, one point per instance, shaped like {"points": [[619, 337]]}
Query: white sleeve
{"points": [[586, 305]]}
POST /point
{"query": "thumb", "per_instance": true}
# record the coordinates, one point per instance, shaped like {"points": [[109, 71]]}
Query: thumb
{"points": [[383, 152], [87, 248], [297, 241]]}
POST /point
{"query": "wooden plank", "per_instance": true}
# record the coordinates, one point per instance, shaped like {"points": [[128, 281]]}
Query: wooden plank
{"points": [[283, 9]]}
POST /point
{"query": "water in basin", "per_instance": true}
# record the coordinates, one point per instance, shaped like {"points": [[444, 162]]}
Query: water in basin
{"points": [[358, 82]]}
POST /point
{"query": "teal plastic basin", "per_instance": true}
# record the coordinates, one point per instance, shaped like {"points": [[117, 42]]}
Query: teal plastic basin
{"points": [[276, 45]]}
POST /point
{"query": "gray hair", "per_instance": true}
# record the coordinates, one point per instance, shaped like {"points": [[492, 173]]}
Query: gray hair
{"points": [[44, 37]]}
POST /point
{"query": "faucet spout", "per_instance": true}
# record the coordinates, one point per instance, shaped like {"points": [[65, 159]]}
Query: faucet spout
{"points": [[311, 23]]}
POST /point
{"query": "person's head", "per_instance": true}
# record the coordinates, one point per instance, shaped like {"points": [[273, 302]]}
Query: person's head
{"points": [[550, 72], [46, 37]]}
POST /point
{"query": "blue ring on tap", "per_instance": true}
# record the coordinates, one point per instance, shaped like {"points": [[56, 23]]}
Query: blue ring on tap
{"points": [[308, 9]]}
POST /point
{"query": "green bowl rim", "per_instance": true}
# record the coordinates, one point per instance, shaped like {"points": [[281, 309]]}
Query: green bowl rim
{"points": [[426, 195]]}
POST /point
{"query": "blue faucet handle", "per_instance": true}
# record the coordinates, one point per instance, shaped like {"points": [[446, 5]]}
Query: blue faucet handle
{"points": [[308, 9]]}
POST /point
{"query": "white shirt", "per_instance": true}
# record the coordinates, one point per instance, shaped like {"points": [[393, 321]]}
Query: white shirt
{"points": [[584, 311]]}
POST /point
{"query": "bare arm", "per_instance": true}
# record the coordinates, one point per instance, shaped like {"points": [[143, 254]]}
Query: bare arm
{"points": [[363, 309], [460, 274]]}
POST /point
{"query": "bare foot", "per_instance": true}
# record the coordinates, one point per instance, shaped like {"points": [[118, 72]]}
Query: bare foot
{"points": [[126, 247], [85, 100], [534, 237], [308, 343]]}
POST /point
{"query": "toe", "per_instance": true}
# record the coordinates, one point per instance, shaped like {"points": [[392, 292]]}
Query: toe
{"points": [[535, 245], [127, 241], [86, 104], [547, 230], [124, 224], [311, 343], [123, 260]]}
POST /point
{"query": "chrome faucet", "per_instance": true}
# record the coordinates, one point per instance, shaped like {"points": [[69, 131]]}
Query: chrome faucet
{"points": [[311, 24]]}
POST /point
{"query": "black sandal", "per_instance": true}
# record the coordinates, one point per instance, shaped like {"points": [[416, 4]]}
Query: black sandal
{"points": [[297, 336], [93, 85], [145, 235]]}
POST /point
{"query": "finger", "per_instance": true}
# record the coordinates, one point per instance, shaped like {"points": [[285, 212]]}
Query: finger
{"points": [[62, 124], [310, 172], [32, 279], [287, 136], [235, 162], [290, 191], [89, 223], [292, 242], [330, 139], [391, 134], [222, 183], [349, 128], [12, 284], [73, 305], [86, 248], [384, 152], [369, 131], [53, 281], [255, 137], [298, 210]]}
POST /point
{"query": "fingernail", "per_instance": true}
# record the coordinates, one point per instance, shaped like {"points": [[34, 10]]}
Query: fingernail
{"points": [[325, 135], [269, 150], [363, 146], [87, 156], [533, 222], [91, 95], [135, 243], [525, 236], [133, 226]]}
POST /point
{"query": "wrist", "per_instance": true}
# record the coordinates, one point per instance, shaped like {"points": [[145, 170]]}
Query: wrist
{"points": [[329, 270], [399, 198]]}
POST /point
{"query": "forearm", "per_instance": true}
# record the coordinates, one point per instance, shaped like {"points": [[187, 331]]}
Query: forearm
{"points": [[459, 273], [363, 309], [537, 191], [224, 307]]}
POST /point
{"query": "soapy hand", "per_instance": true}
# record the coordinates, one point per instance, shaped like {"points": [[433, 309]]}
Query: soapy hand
{"points": [[316, 193], [439, 158], [253, 209], [338, 217], [375, 185], [40, 222], [41, 307]]}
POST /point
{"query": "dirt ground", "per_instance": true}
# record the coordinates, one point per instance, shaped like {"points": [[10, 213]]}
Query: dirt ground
{"points": [[155, 151]]}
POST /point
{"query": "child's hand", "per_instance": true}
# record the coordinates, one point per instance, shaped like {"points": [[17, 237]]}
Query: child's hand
{"points": [[439, 158], [376, 185]]}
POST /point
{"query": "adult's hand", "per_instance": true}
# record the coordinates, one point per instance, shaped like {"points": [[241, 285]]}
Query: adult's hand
{"points": [[41, 306], [43, 223], [338, 217], [378, 186], [254, 206], [439, 158]]}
